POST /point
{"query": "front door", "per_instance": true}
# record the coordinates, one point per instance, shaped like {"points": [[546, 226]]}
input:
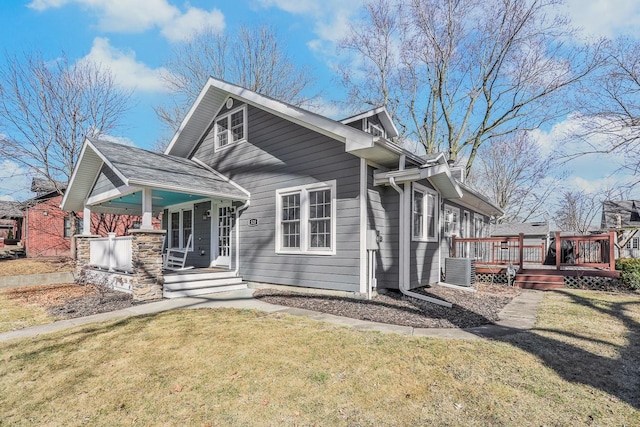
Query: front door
{"points": [[224, 214]]}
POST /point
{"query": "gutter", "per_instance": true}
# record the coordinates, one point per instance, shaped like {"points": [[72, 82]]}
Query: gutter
{"points": [[404, 260], [241, 208]]}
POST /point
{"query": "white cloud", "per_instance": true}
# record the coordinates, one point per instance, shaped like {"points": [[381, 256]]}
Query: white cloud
{"points": [[130, 73], [605, 18], [141, 15], [15, 181], [185, 26]]}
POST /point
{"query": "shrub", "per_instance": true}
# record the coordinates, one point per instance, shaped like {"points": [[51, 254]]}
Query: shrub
{"points": [[629, 272]]}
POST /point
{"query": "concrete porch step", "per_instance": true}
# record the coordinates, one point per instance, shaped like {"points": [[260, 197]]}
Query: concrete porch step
{"points": [[206, 283], [202, 291]]}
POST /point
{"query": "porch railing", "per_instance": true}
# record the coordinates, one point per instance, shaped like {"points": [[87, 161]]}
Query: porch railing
{"points": [[111, 253], [593, 251]]}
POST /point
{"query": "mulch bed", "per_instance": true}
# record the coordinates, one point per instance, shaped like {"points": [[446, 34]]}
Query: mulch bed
{"points": [[66, 301], [469, 309]]}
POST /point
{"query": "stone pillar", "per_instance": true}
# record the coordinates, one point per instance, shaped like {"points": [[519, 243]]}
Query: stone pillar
{"points": [[146, 248], [82, 251]]}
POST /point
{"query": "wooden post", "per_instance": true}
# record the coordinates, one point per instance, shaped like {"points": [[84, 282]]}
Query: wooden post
{"points": [[542, 253], [558, 254], [612, 250], [521, 249], [452, 249]]}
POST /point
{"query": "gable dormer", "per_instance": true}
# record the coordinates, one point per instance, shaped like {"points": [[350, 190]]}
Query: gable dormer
{"points": [[377, 122]]}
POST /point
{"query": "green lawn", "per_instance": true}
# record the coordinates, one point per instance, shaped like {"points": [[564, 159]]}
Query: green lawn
{"points": [[231, 367]]}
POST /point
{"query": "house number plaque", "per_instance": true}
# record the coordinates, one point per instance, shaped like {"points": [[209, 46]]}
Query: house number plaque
{"points": [[253, 222]]}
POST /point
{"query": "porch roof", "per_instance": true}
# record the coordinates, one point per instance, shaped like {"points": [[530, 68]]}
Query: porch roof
{"points": [[173, 179]]}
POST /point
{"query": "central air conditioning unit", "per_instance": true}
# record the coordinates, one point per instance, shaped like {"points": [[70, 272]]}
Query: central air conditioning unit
{"points": [[460, 271]]}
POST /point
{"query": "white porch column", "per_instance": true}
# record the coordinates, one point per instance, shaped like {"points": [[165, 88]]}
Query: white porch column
{"points": [[147, 210], [86, 221]]}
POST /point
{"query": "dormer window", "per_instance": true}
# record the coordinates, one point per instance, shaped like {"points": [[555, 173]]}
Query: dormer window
{"points": [[375, 130], [231, 128]]}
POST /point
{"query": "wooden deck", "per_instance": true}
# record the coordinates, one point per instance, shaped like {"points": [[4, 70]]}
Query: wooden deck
{"points": [[576, 258]]}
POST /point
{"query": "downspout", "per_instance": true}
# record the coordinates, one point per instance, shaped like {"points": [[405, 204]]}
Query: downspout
{"points": [[403, 236], [241, 208]]}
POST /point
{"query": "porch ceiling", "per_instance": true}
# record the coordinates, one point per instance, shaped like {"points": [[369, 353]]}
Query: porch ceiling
{"points": [[131, 204]]}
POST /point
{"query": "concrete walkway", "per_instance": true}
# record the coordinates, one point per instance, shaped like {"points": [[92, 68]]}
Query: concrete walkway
{"points": [[518, 315]]}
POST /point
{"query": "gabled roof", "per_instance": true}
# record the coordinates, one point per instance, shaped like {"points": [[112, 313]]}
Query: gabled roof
{"points": [[382, 114], [138, 168], [620, 214], [529, 229], [10, 210]]}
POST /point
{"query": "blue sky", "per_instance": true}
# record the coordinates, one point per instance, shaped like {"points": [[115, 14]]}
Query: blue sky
{"points": [[134, 38]]}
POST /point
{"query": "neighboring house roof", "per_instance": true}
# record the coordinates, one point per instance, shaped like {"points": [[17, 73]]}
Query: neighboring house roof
{"points": [[138, 168], [382, 114], [43, 186], [10, 210], [529, 229], [620, 214]]}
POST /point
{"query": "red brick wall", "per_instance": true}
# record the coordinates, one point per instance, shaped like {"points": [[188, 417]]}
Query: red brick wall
{"points": [[44, 228]]}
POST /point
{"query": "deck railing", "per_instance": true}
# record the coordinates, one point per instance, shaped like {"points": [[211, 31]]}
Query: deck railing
{"points": [[593, 251], [111, 253]]}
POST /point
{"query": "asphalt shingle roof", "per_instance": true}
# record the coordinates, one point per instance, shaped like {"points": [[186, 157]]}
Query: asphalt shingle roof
{"points": [[144, 167]]}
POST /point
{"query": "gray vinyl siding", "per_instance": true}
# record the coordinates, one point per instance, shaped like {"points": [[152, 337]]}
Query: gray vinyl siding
{"points": [[279, 154], [201, 254], [201, 235], [382, 215], [107, 180], [423, 266]]}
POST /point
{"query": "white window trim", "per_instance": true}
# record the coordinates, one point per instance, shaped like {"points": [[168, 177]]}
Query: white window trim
{"points": [[227, 116], [425, 224], [456, 229], [305, 248], [181, 208]]}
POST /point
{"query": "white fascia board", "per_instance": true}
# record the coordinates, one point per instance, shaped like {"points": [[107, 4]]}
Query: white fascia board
{"points": [[67, 193], [156, 186], [123, 190], [442, 169], [478, 204], [187, 118]]}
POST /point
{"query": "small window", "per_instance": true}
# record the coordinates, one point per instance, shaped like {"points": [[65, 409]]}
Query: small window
{"points": [[231, 128], [306, 219], [424, 213], [375, 130], [67, 226], [635, 242]]}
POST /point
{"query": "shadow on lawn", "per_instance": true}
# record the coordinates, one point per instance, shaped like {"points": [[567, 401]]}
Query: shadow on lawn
{"points": [[619, 377]]}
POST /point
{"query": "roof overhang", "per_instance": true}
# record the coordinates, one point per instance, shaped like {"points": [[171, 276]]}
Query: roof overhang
{"points": [[439, 175]]}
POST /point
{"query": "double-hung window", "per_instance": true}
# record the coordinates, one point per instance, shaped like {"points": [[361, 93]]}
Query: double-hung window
{"points": [[450, 225], [424, 216], [231, 128], [67, 226], [180, 228], [305, 219]]}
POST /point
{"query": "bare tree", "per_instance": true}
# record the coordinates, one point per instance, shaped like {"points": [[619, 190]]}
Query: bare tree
{"points": [[511, 172], [47, 108], [609, 119], [456, 73], [254, 58], [577, 210]]}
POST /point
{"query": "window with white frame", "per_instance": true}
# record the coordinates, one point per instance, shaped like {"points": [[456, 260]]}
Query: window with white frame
{"points": [[450, 225], [306, 219], [180, 228], [231, 128], [478, 226], [424, 213]]}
